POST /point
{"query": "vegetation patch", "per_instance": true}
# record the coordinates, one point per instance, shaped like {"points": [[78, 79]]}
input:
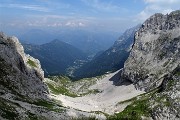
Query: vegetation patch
{"points": [[49, 105], [163, 100], [134, 111], [60, 90], [138, 107], [61, 79], [141, 106], [127, 101], [32, 116], [178, 73], [85, 118], [7, 110], [94, 91], [66, 86], [170, 84], [100, 112], [31, 63]]}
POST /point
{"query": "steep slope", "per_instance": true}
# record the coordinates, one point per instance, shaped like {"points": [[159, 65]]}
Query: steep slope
{"points": [[17, 67], [23, 94], [55, 56], [165, 104], [154, 65], [110, 60], [21, 78], [155, 52]]}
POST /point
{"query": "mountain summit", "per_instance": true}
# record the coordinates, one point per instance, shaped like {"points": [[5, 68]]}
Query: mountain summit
{"points": [[23, 93], [155, 52], [154, 63], [147, 88], [56, 56], [20, 73]]}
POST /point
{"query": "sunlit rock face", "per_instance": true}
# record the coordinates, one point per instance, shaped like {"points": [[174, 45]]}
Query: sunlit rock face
{"points": [[20, 73], [156, 51], [154, 64]]}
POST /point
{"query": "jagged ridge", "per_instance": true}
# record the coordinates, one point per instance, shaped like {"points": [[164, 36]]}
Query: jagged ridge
{"points": [[20, 73], [155, 52]]}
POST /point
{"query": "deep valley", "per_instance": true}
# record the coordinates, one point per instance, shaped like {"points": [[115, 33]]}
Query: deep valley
{"points": [[136, 78]]}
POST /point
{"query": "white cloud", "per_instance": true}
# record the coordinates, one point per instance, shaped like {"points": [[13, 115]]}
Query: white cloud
{"points": [[27, 7], [76, 23], [103, 6], [54, 25], [162, 1], [157, 6], [51, 21], [81, 24]]}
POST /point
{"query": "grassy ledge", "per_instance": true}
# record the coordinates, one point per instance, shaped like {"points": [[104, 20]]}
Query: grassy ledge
{"points": [[31, 63], [65, 86], [49, 105], [138, 107]]}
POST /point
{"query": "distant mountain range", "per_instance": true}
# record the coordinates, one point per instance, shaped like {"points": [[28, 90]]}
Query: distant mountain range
{"points": [[36, 37], [88, 41], [55, 56], [58, 57], [110, 60], [146, 88]]}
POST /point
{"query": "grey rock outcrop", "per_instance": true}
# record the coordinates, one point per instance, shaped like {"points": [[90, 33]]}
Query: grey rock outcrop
{"points": [[23, 94], [20, 74], [156, 51], [154, 64], [165, 105], [126, 40]]}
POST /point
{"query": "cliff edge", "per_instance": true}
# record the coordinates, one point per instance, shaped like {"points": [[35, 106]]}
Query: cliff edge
{"points": [[20, 74]]}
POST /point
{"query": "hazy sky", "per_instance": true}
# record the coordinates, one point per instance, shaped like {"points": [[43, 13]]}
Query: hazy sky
{"points": [[115, 15]]}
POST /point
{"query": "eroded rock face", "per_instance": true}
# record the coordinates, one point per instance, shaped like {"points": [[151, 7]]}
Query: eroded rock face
{"points": [[20, 73], [156, 51], [165, 104], [126, 40]]}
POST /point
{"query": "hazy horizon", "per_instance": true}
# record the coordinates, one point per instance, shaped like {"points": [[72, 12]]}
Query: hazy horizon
{"points": [[18, 16]]}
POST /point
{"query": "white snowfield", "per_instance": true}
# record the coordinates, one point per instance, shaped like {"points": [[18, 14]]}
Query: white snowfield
{"points": [[105, 101]]}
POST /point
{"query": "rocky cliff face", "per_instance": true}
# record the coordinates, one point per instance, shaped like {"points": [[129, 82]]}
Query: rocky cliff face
{"points": [[20, 74], [125, 41], [154, 65], [23, 94], [165, 104], [156, 51]]}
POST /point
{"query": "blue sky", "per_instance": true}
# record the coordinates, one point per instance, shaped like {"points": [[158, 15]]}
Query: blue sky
{"points": [[115, 15]]}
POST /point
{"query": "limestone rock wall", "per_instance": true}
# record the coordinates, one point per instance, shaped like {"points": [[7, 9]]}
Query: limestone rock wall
{"points": [[156, 51], [20, 73]]}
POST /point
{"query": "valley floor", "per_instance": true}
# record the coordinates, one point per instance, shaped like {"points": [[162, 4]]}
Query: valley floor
{"points": [[106, 101]]}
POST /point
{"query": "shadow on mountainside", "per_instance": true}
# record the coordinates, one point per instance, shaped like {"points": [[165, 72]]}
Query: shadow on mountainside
{"points": [[116, 79]]}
